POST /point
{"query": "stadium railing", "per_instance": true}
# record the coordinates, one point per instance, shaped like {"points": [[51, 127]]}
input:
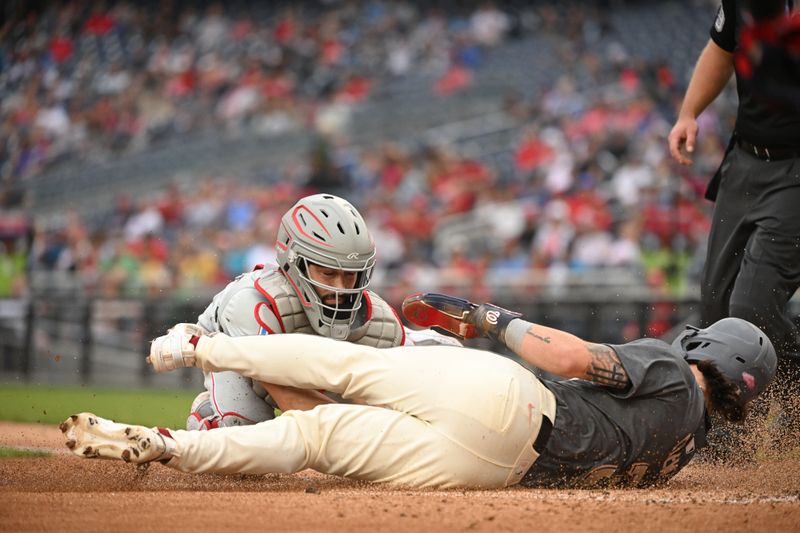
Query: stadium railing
{"points": [[99, 341]]}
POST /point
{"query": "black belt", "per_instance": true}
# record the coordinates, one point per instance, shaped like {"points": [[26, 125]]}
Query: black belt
{"points": [[768, 154], [544, 434]]}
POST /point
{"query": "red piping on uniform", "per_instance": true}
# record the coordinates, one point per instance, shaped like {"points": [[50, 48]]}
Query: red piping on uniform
{"points": [[396, 316], [214, 396], [272, 305], [301, 230], [403, 338], [165, 432], [261, 322], [303, 301], [234, 413], [216, 406], [205, 424], [369, 306]]}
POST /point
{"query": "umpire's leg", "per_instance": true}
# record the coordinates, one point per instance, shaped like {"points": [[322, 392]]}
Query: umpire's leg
{"points": [[770, 266], [730, 231], [753, 258], [770, 270]]}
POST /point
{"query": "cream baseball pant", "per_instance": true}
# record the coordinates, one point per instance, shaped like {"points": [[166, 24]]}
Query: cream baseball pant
{"points": [[438, 416]]}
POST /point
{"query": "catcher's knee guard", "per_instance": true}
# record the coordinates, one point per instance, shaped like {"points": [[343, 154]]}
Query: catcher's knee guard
{"points": [[245, 410], [232, 400], [234, 419], [201, 414], [195, 422]]}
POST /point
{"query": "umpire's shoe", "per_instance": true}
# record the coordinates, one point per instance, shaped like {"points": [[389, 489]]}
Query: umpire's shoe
{"points": [[90, 436]]}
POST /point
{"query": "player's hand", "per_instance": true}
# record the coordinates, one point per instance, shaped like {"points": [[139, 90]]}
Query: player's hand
{"points": [[457, 316], [683, 137], [190, 329], [176, 348], [490, 320]]}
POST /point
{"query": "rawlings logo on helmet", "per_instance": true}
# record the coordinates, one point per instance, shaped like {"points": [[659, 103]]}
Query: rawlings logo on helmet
{"points": [[352, 256]]}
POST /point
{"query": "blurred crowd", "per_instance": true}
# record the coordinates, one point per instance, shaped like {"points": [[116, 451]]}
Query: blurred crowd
{"points": [[91, 79], [585, 190]]}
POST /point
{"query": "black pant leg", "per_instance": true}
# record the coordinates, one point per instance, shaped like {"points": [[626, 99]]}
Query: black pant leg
{"points": [[727, 240], [768, 278], [770, 269]]}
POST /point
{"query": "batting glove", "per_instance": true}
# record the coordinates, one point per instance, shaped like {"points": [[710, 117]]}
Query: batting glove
{"points": [[176, 348], [491, 321]]}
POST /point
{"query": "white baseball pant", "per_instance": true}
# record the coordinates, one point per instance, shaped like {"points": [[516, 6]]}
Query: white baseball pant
{"points": [[438, 416]]}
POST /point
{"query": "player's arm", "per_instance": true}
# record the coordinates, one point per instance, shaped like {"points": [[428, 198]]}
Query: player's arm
{"points": [[566, 355], [711, 73], [246, 314], [549, 349], [289, 398]]}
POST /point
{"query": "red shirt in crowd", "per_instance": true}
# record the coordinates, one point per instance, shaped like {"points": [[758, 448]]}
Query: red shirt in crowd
{"points": [[61, 49], [531, 153], [98, 24]]}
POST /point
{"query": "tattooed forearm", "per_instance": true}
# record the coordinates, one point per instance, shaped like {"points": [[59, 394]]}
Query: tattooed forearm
{"points": [[605, 367], [539, 337]]}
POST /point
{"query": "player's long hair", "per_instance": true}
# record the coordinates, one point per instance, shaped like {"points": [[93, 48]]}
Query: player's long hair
{"points": [[723, 394]]}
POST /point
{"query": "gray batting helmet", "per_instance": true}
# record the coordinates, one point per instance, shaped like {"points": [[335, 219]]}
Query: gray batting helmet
{"points": [[741, 351], [328, 231]]}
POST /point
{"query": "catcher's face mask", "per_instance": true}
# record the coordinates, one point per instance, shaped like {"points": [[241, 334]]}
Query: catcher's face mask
{"points": [[327, 232]]}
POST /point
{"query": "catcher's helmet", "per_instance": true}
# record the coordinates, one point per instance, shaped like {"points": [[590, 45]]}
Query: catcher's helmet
{"points": [[328, 231], [741, 351]]}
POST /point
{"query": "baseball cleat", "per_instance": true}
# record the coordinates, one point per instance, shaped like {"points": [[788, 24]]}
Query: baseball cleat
{"points": [[440, 312], [460, 317], [88, 435]]}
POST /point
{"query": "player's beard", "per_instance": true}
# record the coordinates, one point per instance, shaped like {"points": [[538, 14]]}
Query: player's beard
{"points": [[332, 299], [338, 307]]}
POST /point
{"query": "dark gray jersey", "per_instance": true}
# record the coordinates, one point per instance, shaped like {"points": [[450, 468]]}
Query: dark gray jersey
{"points": [[759, 120], [638, 436]]}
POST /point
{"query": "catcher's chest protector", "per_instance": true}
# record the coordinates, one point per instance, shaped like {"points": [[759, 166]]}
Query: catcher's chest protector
{"points": [[283, 302], [379, 326], [376, 324]]}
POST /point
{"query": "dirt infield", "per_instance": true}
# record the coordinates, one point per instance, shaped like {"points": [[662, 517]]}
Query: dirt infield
{"points": [[66, 493]]}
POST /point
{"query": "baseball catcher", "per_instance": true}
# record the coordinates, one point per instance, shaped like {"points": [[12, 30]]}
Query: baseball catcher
{"points": [[447, 416], [325, 256]]}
